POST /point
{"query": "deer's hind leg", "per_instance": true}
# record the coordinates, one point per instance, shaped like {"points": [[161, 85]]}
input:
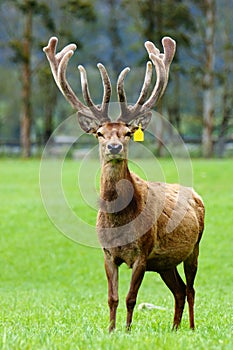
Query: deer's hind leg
{"points": [[178, 288], [190, 270]]}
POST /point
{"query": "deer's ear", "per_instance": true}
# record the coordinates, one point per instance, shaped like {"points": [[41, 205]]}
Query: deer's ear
{"points": [[89, 125], [142, 121]]}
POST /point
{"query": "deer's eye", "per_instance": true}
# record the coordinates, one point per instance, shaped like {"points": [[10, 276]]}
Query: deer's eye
{"points": [[99, 134], [128, 134]]}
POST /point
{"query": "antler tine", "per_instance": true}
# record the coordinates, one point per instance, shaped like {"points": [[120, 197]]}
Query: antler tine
{"points": [[145, 87], [100, 112], [121, 94], [107, 90], [169, 47], [86, 94]]}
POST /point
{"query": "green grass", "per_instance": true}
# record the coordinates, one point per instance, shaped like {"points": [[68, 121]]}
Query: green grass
{"points": [[53, 292]]}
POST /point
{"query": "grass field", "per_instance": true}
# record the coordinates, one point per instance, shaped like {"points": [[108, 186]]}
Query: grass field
{"points": [[53, 292]]}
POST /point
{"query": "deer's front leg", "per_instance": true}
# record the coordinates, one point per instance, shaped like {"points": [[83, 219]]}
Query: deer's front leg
{"points": [[112, 275], [138, 272]]}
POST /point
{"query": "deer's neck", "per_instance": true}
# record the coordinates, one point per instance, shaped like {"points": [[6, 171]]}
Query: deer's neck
{"points": [[117, 188], [111, 174]]}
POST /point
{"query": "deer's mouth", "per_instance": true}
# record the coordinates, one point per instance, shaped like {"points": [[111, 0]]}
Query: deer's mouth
{"points": [[114, 157]]}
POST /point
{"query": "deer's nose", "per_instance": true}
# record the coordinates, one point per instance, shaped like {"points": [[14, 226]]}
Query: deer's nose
{"points": [[114, 148]]}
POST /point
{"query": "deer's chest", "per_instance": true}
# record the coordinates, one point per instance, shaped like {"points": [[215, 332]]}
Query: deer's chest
{"points": [[123, 254]]}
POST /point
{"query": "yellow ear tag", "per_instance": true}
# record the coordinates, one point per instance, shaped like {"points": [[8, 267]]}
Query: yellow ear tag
{"points": [[139, 134]]}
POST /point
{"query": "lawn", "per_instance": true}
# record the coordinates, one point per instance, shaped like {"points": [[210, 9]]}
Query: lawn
{"points": [[53, 291]]}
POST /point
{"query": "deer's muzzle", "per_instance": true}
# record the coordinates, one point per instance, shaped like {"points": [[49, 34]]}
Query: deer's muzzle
{"points": [[115, 148]]}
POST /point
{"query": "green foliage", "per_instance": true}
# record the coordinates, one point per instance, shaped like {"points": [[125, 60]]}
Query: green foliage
{"points": [[46, 16], [156, 19], [26, 5], [53, 292], [17, 47], [82, 9]]}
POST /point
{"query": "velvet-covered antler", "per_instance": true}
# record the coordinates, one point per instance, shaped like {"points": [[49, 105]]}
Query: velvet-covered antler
{"points": [[58, 63], [161, 63]]}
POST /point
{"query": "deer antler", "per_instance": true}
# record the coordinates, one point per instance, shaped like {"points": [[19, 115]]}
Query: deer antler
{"points": [[162, 63], [58, 63]]}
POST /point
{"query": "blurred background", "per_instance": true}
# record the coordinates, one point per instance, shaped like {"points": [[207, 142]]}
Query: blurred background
{"points": [[199, 97]]}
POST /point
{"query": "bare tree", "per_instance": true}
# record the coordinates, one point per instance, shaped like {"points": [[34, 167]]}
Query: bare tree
{"points": [[26, 117], [208, 80], [21, 41], [49, 104], [226, 79]]}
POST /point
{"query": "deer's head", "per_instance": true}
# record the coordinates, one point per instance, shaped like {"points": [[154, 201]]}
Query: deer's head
{"points": [[114, 136]]}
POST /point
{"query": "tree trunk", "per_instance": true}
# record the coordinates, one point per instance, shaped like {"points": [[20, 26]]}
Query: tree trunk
{"points": [[48, 123], [227, 86], [227, 108], [174, 107], [25, 131], [208, 81], [50, 101], [160, 131]]}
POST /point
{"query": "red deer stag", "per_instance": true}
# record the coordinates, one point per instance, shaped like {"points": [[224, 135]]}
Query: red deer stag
{"points": [[150, 226]]}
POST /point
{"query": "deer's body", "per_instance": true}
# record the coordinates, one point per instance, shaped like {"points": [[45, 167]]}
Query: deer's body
{"points": [[150, 226], [162, 249], [147, 225]]}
